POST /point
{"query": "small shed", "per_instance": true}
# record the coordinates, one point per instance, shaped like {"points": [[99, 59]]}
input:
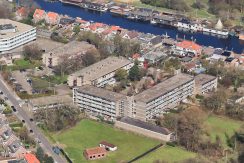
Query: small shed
{"points": [[108, 146]]}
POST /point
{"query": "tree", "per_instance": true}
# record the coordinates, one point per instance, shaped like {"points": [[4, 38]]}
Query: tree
{"points": [[76, 29], [189, 128], [5, 10], [134, 73], [32, 52], [40, 154], [121, 74]]}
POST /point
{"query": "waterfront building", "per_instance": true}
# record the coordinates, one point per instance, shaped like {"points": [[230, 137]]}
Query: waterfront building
{"points": [[100, 73], [52, 18], [205, 83], [162, 97], [39, 15], [188, 48], [72, 49], [100, 102], [14, 34]]}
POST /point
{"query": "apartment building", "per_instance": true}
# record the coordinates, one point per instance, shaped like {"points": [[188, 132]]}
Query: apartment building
{"points": [[56, 56], [205, 83], [100, 73], [162, 97], [14, 34]]}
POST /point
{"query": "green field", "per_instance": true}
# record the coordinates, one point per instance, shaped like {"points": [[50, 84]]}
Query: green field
{"points": [[221, 126], [87, 134], [169, 154]]}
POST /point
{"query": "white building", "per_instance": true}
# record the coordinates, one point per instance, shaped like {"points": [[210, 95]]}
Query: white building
{"points": [[100, 73], [14, 34], [205, 83], [100, 102]]}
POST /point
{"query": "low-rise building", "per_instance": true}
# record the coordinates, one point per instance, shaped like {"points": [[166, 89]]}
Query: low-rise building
{"points": [[144, 128], [107, 146], [14, 34], [50, 102], [95, 153], [74, 48], [188, 48], [52, 18], [39, 15], [100, 102], [162, 97], [100, 73], [205, 83], [155, 56]]}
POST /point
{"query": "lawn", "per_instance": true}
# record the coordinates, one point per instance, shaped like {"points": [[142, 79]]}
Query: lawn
{"points": [[221, 126], [169, 154], [87, 134], [23, 64]]}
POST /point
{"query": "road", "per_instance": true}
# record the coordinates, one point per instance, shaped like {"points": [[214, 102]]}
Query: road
{"points": [[22, 115]]}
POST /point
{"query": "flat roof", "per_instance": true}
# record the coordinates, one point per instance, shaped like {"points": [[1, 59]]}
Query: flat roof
{"points": [[71, 48], [145, 125], [102, 68], [64, 99], [101, 93], [20, 28], [163, 87], [203, 79]]}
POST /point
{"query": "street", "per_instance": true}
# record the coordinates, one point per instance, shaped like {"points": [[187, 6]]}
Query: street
{"points": [[22, 115]]}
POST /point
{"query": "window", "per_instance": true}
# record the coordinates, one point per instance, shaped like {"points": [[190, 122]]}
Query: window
{"points": [[102, 154], [90, 156], [98, 155]]}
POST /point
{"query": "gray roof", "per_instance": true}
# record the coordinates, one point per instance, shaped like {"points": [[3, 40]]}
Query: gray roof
{"points": [[202, 79], [156, 40], [145, 125], [101, 93], [155, 55], [163, 87], [102, 68]]}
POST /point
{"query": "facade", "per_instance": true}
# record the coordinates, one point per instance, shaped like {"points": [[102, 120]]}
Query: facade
{"points": [[55, 57], [14, 34], [162, 97], [95, 153], [145, 129], [205, 83], [100, 73], [100, 102]]}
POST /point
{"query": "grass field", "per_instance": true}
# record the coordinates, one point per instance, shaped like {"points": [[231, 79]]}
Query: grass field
{"points": [[221, 126], [169, 154], [88, 134]]}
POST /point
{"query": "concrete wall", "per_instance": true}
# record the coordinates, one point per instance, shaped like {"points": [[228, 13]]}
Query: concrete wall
{"points": [[142, 131]]}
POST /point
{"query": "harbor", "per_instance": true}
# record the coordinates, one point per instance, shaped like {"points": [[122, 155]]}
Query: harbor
{"points": [[147, 21]]}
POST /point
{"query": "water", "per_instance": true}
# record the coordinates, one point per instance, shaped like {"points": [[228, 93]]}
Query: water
{"points": [[231, 43]]}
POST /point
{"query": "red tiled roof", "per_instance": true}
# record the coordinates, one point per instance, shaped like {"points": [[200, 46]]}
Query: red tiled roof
{"points": [[31, 158], [136, 55], [115, 28], [52, 15], [107, 144], [22, 11], [95, 150], [39, 13], [189, 45]]}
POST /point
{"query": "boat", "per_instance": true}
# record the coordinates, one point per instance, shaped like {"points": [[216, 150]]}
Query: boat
{"points": [[153, 22]]}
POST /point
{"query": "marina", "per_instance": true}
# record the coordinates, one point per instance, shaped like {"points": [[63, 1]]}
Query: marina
{"points": [[147, 22]]}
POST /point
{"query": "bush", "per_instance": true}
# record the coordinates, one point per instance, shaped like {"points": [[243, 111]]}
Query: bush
{"points": [[172, 144], [7, 111]]}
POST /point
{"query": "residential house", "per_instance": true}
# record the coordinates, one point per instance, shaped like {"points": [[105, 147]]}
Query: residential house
{"points": [[156, 42], [39, 15], [21, 13], [65, 21], [129, 35], [30, 158], [154, 56], [52, 18], [107, 146], [95, 153], [188, 48]]}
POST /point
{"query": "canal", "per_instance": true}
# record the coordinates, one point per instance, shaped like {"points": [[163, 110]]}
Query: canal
{"points": [[230, 43]]}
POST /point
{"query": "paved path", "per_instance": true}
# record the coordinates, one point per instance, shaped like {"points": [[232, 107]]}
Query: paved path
{"points": [[22, 115]]}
